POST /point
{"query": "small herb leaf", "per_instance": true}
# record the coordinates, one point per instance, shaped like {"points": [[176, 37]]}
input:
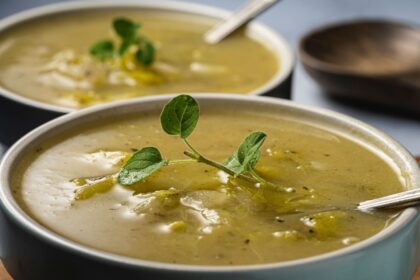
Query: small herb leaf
{"points": [[144, 51], [248, 153], [142, 164], [146, 55], [180, 116], [233, 164], [125, 28], [125, 45], [103, 49]]}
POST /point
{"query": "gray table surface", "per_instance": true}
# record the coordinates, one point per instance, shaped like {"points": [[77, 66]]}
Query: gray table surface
{"points": [[293, 18]]}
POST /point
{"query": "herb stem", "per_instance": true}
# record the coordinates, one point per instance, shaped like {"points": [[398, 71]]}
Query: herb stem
{"points": [[200, 158], [207, 161], [191, 147], [257, 177], [180, 161]]}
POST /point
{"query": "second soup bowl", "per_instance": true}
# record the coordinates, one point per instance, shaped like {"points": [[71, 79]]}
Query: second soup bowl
{"points": [[47, 69]]}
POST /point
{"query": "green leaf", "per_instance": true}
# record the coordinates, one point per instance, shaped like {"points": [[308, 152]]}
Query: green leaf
{"points": [[103, 49], [125, 45], [180, 116], [233, 164], [142, 164], [247, 154], [146, 54], [125, 28]]}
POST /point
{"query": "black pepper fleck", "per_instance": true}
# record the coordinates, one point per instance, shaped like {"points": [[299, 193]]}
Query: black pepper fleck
{"points": [[279, 220]]}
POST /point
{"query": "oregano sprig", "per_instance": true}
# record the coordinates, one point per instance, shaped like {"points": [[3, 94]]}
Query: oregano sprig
{"points": [[128, 32], [179, 117]]}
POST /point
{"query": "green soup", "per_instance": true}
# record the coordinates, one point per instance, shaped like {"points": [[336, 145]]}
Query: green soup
{"points": [[194, 214], [47, 59]]}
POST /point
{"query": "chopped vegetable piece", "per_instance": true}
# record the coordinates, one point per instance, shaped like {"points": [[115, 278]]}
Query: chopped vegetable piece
{"points": [[91, 186]]}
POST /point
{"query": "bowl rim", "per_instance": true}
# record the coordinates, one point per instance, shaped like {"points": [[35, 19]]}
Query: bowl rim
{"points": [[278, 44], [12, 209], [314, 62]]}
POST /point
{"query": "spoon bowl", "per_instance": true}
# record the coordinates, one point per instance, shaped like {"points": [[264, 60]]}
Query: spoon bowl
{"points": [[371, 61]]}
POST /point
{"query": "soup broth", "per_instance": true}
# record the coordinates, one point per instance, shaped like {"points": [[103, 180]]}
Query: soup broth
{"points": [[47, 59], [194, 214]]}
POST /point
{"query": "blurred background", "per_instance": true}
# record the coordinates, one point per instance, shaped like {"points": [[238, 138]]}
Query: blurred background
{"points": [[293, 19]]}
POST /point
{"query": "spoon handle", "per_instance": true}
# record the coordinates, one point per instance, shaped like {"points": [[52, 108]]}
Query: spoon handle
{"points": [[236, 20], [399, 199]]}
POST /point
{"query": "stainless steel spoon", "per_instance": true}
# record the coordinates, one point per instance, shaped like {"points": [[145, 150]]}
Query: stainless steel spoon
{"points": [[398, 200], [407, 198], [237, 19]]}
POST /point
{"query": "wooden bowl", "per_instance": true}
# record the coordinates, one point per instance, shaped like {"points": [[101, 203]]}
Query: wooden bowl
{"points": [[371, 61]]}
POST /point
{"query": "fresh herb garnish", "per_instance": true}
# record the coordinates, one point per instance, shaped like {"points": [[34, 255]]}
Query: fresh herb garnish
{"points": [[125, 28], [142, 164], [146, 54], [247, 154], [103, 49], [128, 32], [179, 117]]}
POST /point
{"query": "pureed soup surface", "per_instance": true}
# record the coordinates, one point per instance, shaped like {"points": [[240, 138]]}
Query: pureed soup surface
{"points": [[48, 59], [190, 213]]}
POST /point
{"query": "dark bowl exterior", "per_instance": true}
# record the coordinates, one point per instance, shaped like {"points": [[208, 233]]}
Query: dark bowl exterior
{"points": [[17, 119], [282, 90]]}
